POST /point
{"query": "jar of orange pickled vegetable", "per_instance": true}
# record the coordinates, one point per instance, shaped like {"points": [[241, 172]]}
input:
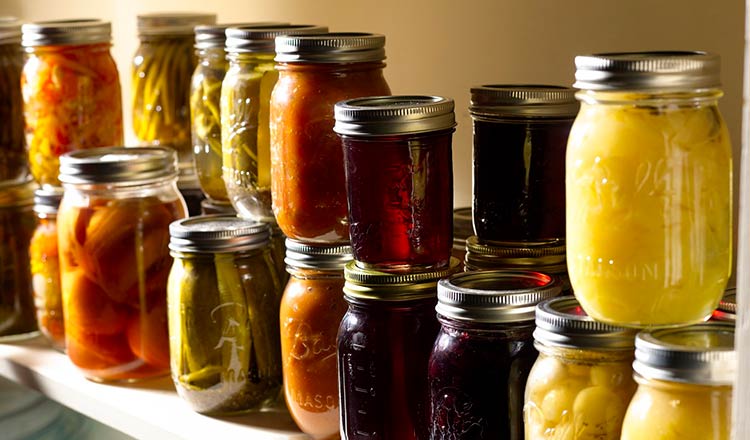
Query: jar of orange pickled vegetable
{"points": [[113, 236], [12, 144], [71, 92], [307, 160], [311, 310]]}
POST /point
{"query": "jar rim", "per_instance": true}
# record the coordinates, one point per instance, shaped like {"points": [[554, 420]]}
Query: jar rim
{"points": [[300, 255], [118, 165], [78, 31], [393, 115], [523, 100], [217, 234], [331, 47], [262, 38]]}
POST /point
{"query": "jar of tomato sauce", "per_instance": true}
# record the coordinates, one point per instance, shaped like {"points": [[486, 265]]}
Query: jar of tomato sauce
{"points": [[113, 237], [71, 92], [13, 160], [307, 161], [649, 189]]}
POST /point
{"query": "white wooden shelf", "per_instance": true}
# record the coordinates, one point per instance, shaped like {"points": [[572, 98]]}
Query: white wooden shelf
{"points": [[145, 410]]}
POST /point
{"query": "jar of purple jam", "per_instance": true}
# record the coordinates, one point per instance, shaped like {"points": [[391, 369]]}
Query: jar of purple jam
{"points": [[484, 352], [520, 137], [399, 176], [384, 344]]}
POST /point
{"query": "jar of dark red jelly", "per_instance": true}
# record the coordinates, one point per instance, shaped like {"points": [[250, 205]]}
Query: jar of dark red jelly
{"points": [[520, 136], [484, 352], [398, 160], [384, 344]]}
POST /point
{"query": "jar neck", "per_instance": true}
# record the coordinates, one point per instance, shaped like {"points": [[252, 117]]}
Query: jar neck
{"points": [[425, 305], [243, 58], [514, 330], [92, 48], [310, 274], [167, 38], [668, 386], [701, 97], [330, 67], [214, 56], [586, 354], [183, 255]]}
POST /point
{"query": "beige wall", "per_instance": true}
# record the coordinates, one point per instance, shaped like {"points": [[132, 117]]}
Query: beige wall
{"points": [[445, 46]]}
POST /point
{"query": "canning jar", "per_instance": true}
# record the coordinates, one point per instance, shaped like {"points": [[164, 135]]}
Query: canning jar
{"points": [[45, 266], [484, 352], [384, 345], [685, 378], [71, 92], [113, 236], [399, 179], [311, 311], [307, 160], [17, 223], [245, 97], [580, 385], [223, 297], [13, 161], [727, 309], [649, 189], [520, 136]]}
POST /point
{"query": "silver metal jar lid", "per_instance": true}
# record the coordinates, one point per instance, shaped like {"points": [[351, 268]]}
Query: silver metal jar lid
{"points": [[335, 47], [66, 32], [121, 166], [393, 115], [10, 30], [648, 71], [217, 233], [698, 354], [501, 255], [47, 200], [172, 23], [561, 322], [19, 192], [495, 296], [532, 100], [727, 310], [374, 284], [213, 36], [303, 256], [262, 39]]}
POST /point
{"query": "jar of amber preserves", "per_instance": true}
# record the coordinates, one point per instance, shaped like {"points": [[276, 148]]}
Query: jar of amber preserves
{"points": [[45, 266], [484, 352], [580, 385], [245, 99], [307, 160], [649, 189], [311, 311], [223, 297], [71, 92], [17, 222], [13, 161], [113, 236], [399, 176], [384, 345], [685, 378]]}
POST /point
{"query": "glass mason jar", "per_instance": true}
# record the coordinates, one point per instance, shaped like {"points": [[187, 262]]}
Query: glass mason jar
{"points": [[45, 266], [582, 381], [245, 99], [17, 223], [685, 378], [223, 297], [113, 236], [727, 309], [384, 345], [399, 179], [484, 352], [520, 136], [71, 92], [13, 160], [649, 189], [311, 311], [307, 161]]}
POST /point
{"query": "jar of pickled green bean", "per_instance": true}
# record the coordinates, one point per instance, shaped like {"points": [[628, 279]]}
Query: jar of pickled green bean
{"points": [[12, 143], [223, 299]]}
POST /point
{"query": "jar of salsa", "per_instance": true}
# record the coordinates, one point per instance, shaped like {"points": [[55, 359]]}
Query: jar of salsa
{"points": [[113, 236], [71, 92], [223, 298], [307, 160], [581, 383], [311, 311], [13, 159], [45, 266], [484, 352], [520, 136], [384, 346], [649, 189], [245, 98], [399, 177], [685, 378]]}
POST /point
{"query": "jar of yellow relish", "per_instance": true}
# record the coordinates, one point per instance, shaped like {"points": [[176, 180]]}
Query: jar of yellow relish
{"points": [[649, 189], [684, 380]]}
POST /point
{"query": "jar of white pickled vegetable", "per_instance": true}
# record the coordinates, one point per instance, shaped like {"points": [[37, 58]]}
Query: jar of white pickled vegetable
{"points": [[649, 189], [581, 383]]}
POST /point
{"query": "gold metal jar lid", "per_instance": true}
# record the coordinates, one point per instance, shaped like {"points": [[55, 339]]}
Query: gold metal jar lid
{"points": [[216, 234], [10, 30], [119, 166], [389, 286], [66, 32], [334, 47], [172, 23], [262, 39], [546, 256], [393, 115], [304, 256], [523, 100]]}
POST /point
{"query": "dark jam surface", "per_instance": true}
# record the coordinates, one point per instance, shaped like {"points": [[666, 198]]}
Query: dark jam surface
{"points": [[400, 192], [519, 179], [477, 380], [383, 350]]}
